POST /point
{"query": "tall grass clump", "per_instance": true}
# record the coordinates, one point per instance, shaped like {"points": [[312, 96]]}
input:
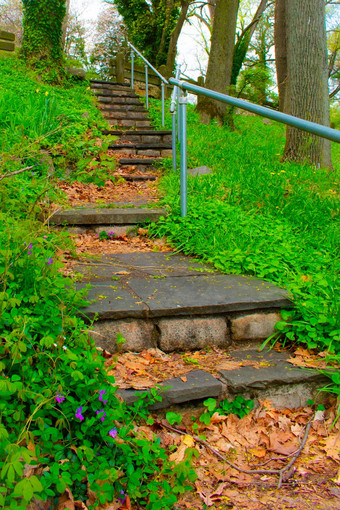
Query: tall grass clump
{"points": [[257, 216]]}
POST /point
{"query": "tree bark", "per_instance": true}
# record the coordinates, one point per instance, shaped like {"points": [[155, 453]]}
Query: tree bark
{"points": [[172, 50], [42, 39], [220, 59], [307, 87], [280, 40]]}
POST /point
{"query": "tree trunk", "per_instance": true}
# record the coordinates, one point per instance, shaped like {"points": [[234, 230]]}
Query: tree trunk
{"points": [[42, 40], [220, 59], [65, 22], [307, 87], [280, 39], [242, 44], [172, 50]]}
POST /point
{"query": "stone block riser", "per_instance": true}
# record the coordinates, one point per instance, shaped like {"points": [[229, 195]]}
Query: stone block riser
{"points": [[183, 332]]}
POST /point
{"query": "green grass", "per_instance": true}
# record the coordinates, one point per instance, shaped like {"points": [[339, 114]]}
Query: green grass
{"points": [[257, 216]]}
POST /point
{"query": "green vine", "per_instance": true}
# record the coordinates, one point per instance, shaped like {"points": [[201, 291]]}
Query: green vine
{"points": [[42, 40]]}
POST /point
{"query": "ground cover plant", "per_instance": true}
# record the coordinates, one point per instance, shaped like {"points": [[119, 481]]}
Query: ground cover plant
{"points": [[65, 435], [260, 217]]}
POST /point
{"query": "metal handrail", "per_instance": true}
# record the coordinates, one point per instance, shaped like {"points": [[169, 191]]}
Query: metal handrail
{"points": [[164, 81], [183, 86]]}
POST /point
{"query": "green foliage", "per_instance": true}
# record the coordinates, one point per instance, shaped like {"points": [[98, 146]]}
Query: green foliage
{"points": [[149, 25], [60, 121], [259, 217], [62, 424], [239, 406]]}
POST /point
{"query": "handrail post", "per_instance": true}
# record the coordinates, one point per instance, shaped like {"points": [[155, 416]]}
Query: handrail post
{"points": [[146, 86], [182, 110], [132, 67], [163, 116], [178, 115], [173, 140]]}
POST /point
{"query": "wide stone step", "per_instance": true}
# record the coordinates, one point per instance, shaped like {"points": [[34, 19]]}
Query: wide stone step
{"points": [[119, 100], [137, 161], [100, 216], [125, 115], [102, 93], [130, 123], [174, 303], [158, 150], [144, 136], [105, 83], [105, 108], [272, 378]]}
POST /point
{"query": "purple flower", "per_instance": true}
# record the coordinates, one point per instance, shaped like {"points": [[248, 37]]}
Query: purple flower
{"points": [[49, 261], [122, 497], [101, 393], [78, 413], [30, 246], [59, 398], [103, 416], [113, 433]]}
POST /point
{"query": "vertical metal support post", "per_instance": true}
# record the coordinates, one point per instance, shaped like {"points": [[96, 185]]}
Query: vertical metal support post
{"points": [[146, 86], [182, 110], [132, 67], [173, 141], [163, 117], [178, 115]]}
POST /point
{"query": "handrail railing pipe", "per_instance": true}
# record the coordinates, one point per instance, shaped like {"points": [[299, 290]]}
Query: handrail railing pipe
{"points": [[164, 81], [305, 125]]}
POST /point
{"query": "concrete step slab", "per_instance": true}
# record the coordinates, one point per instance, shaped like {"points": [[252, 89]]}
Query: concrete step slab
{"points": [[100, 216], [106, 83], [127, 108], [285, 386]]}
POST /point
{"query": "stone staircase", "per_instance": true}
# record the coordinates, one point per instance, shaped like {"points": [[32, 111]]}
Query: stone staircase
{"points": [[171, 302]]}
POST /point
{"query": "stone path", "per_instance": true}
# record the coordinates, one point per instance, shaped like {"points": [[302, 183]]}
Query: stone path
{"points": [[172, 302]]}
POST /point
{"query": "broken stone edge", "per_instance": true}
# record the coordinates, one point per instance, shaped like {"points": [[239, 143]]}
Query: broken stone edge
{"points": [[200, 385]]}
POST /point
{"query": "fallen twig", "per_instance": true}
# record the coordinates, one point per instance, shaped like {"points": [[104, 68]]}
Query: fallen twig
{"points": [[12, 174], [279, 472]]}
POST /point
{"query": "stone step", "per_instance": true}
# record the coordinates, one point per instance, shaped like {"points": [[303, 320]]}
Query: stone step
{"points": [[123, 107], [275, 379], [144, 136], [130, 123], [137, 161], [172, 302], [97, 218], [119, 100], [147, 149], [138, 178], [104, 83], [113, 93], [125, 115]]}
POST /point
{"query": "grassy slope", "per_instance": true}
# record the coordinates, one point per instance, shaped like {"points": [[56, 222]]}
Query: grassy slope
{"points": [[257, 216]]}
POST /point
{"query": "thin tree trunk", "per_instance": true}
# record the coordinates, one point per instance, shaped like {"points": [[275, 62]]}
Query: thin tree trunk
{"points": [[220, 59], [280, 39], [307, 80], [242, 44], [68, 2], [172, 51]]}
